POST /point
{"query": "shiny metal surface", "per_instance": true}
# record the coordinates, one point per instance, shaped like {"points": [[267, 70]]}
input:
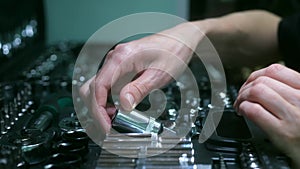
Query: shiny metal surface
{"points": [[135, 122]]}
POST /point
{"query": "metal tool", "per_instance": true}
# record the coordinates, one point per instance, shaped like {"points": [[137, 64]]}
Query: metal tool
{"points": [[135, 122]]}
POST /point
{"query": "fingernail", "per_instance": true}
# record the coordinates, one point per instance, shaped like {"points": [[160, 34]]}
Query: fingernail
{"points": [[236, 109], [130, 99]]}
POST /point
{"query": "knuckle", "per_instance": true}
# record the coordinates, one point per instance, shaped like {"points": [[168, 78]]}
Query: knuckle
{"points": [[141, 88], [257, 109], [273, 69], [256, 90], [121, 53], [261, 80], [109, 54], [252, 75], [123, 48], [250, 111]]}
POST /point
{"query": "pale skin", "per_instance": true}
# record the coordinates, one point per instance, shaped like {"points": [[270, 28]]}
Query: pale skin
{"points": [[270, 97]]}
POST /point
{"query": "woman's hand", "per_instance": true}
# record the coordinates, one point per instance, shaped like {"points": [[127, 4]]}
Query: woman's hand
{"points": [[271, 99], [134, 69]]}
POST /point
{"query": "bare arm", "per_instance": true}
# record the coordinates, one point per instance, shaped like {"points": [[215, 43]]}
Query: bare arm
{"points": [[249, 37]]}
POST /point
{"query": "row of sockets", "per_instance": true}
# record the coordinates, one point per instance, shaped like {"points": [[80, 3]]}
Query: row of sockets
{"points": [[16, 100], [146, 151]]}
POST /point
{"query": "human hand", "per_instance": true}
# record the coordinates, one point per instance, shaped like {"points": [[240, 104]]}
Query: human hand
{"points": [[151, 62], [271, 98]]}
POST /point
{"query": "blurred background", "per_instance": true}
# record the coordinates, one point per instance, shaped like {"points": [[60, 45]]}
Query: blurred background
{"points": [[77, 19]]}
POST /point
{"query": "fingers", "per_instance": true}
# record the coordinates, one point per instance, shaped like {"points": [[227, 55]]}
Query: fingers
{"points": [[110, 72], [288, 93], [122, 65], [260, 116], [87, 92], [111, 110], [271, 99], [139, 56], [99, 112], [84, 90], [274, 88], [135, 91], [268, 98], [279, 73]]}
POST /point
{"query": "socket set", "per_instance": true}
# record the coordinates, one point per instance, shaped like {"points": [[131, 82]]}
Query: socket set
{"points": [[39, 128], [236, 143], [147, 154]]}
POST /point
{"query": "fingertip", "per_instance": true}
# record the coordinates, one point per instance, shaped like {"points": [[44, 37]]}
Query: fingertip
{"points": [[238, 113], [111, 111], [237, 109], [134, 92], [128, 102]]}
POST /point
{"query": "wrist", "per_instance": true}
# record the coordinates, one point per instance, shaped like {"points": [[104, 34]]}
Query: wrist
{"points": [[209, 26], [188, 33]]}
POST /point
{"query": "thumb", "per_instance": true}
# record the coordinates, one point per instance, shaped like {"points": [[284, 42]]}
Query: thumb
{"points": [[135, 91]]}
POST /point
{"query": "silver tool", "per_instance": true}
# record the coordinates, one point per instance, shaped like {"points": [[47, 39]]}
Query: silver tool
{"points": [[135, 122]]}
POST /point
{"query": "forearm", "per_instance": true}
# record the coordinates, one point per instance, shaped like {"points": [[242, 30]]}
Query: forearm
{"points": [[250, 37]]}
